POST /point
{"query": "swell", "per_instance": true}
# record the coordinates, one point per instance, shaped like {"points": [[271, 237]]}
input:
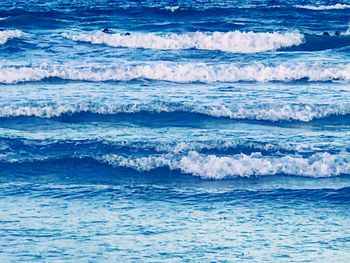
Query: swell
{"points": [[167, 112], [214, 167], [234, 41], [22, 138], [143, 9], [319, 165], [83, 178], [20, 149], [182, 72], [319, 42], [173, 189]]}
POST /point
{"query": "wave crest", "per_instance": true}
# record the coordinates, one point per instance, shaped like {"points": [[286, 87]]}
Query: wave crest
{"points": [[171, 8], [234, 41], [6, 35], [266, 112], [182, 73], [240, 165], [324, 7]]}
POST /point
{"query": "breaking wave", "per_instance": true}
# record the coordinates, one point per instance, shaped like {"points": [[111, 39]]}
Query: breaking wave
{"points": [[182, 72], [240, 165], [262, 111], [324, 7], [234, 41], [318, 165], [6, 35]]}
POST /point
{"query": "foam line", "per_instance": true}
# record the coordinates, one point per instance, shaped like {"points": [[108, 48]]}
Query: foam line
{"points": [[241, 165], [324, 7], [234, 41], [182, 72], [268, 112]]}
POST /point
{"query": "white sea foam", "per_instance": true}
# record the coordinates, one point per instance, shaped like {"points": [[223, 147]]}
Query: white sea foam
{"points": [[234, 41], [169, 145], [270, 112], [324, 7], [171, 8], [319, 165], [348, 31], [182, 72], [241, 165], [6, 35]]}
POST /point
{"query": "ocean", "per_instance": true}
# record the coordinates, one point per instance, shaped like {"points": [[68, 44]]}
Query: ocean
{"points": [[174, 131]]}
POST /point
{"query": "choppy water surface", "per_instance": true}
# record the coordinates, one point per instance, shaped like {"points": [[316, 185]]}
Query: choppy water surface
{"points": [[191, 131]]}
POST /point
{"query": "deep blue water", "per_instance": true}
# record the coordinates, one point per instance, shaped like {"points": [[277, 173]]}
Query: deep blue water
{"points": [[204, 131]]}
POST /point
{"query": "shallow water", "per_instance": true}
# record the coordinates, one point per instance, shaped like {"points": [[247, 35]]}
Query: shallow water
{"points": [[192, 131]]}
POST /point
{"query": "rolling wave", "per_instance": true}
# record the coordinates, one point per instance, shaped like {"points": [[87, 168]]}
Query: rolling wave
{"points": [[181, 72], [318, 165], [6, 35], [13, 145], [22, 140], [240, 165], [263, 111], [324, 7], [234, 41]]}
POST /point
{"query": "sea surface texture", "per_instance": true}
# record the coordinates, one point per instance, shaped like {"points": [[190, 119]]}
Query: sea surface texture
{"points": [[189, 131]]}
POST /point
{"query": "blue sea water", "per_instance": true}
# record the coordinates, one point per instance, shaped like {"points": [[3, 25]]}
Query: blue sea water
{"points": [[192, 131]]}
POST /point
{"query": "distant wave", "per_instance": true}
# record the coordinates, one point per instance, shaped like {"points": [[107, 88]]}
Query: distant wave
{"points": [[324, 7], [6, 35], [235, 41], [172, 8], [181, 72], [267, 112], [240, 165]]}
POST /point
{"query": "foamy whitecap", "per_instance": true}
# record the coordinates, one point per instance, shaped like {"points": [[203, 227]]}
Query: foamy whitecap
{"points": [[171, 8], [319, 165], [234, 41], [6, 35], [240, 165], [182, 72], [269, 112], [324, 7]]}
